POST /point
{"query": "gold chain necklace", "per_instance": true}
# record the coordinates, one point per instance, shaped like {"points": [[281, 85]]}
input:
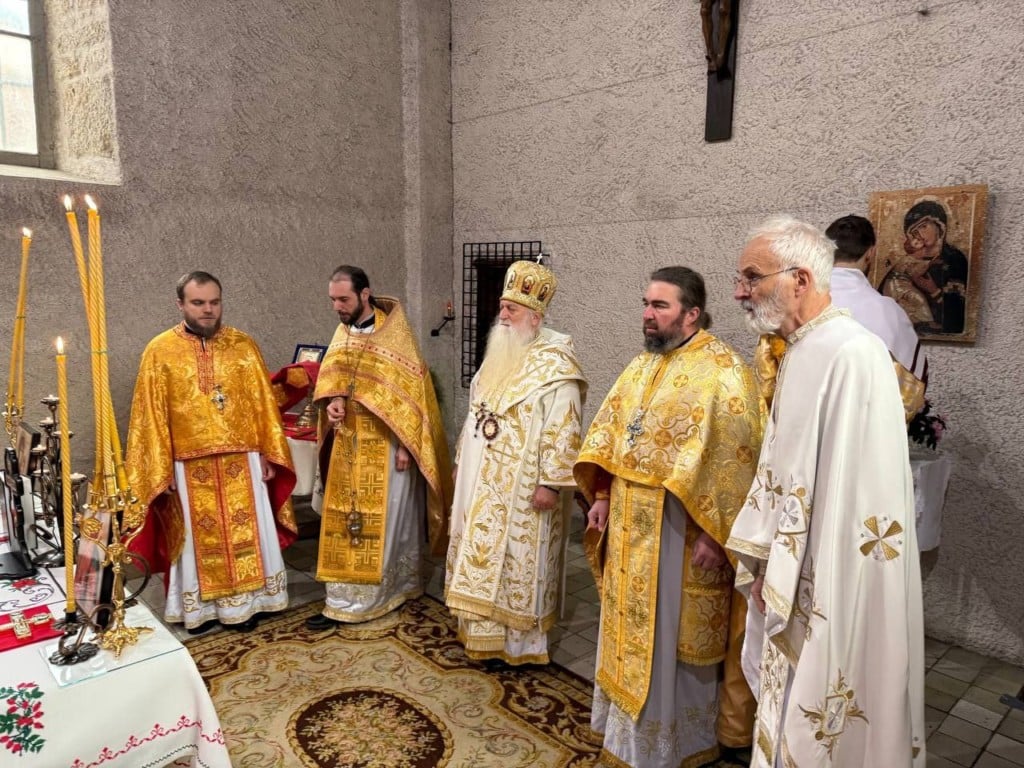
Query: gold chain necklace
{"points": [[359, 359], [487, 419], [354, 518], [635, 426]]}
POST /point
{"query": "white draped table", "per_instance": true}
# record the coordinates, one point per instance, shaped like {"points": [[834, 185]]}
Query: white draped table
{"points": [[148, 708], [931, 473]]}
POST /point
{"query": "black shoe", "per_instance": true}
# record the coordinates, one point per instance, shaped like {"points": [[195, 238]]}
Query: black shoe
{"points": [[206, 626], [246, 626], [321, 623]]}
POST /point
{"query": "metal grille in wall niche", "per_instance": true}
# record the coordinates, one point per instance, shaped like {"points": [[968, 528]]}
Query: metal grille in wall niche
{"points": [[483, 275]]}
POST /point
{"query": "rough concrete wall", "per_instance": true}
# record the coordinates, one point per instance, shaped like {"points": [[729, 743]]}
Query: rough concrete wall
{"points": [[82, 115], [426, 99], [581, 124], [262, 141]]}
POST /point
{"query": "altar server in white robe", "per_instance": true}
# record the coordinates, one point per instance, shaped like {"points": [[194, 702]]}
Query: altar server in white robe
{"points": [[826, 542], [514, 470], [854, 239]]}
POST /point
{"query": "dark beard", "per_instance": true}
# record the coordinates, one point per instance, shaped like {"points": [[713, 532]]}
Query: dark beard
{"points": [[357, 313], [204, 333], [659, 345]]}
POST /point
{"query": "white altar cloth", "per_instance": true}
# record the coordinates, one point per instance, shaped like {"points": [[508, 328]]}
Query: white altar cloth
{"points": [[148, 708], [931, 476]]}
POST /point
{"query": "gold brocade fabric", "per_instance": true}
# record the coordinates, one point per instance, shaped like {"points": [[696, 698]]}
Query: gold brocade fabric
{"points": [[359, 462], [700, 423], [384, 373], [768, 357], [911, 390], [224, 532], [198, 398]]}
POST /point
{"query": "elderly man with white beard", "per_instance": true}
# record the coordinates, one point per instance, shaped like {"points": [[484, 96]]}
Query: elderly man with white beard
{"points": [[825, 541], [514, 461]]}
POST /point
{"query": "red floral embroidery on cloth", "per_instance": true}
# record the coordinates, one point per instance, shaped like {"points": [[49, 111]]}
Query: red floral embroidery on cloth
{"points": [[22, 714], [107, 754]]}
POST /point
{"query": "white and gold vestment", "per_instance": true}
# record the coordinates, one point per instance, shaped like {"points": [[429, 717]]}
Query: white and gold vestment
{"points": [[829, 522], [505, 557]]}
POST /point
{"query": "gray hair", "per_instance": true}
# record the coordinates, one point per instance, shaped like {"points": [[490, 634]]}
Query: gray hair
{"points": [[796, 243]]}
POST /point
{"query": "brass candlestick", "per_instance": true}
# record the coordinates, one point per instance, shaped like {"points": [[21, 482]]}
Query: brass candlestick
{"points": [[127, 515], [12, 419]]}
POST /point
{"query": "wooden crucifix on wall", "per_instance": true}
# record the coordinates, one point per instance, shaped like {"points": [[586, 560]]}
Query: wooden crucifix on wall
{"points": [[719, 22]]}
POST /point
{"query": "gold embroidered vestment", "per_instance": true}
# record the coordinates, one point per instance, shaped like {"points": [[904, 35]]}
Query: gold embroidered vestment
{"points": [[206, 403], [700, 420], [389, 391]]}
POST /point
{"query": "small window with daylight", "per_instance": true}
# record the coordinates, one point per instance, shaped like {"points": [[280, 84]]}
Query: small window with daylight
{"points": [[17, 97]]}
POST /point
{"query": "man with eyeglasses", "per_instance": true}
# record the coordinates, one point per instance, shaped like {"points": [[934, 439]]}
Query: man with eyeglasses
{"points": [[826, 540], [666, 465]]}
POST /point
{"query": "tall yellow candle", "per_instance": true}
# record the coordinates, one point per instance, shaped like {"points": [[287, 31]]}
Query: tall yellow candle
{"points": [[14, 373], [100, 385], [76, 248], [26, 244], [113, 461], [65, 476]]}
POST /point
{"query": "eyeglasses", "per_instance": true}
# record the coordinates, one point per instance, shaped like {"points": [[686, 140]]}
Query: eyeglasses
{"points": [[747, 283]]}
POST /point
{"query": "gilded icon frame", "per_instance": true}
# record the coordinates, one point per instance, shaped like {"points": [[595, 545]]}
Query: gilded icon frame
{"points": [[929, 256]]}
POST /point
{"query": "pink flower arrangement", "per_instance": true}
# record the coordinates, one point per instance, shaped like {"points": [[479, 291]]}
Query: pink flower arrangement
{"points": [[926, 427]]}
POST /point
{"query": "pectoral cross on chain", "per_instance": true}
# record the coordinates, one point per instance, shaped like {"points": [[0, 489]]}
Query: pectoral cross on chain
{"points": [[635, 428], [219, 398]]}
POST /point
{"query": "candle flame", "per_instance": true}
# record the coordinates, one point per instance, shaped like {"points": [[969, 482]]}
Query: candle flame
{"points": [[67, 202], [60, 346], [91, 203], [26, 232]]}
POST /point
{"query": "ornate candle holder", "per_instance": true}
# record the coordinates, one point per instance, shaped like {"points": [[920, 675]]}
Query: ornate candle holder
{"points": [[12, 418], [125, 515]]}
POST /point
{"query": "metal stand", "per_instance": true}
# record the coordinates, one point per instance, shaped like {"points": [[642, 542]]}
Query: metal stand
{"points": [[75, 652], [48, 526]]}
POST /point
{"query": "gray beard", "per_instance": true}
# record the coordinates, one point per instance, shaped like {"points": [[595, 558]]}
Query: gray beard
{"points": [[765, 317]]}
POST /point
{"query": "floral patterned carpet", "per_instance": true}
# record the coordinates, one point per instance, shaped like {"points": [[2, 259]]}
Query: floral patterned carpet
{"points": [[393, 693]]}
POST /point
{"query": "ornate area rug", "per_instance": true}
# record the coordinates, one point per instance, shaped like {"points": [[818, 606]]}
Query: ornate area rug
{"points": [[393, 693]]}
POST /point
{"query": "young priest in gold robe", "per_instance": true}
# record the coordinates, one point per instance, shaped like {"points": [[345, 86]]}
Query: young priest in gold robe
{"points": [[666, 463], [208, 457], [383, 457], [515, 457]]}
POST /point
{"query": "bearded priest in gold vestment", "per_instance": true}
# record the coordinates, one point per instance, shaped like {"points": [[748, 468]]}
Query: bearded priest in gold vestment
{"points": [[666, 464], [383, 457], [514, 460], [208, 457]]}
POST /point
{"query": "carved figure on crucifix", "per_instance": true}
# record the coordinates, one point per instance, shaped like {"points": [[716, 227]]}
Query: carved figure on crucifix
{"points": [[716, 46]]}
